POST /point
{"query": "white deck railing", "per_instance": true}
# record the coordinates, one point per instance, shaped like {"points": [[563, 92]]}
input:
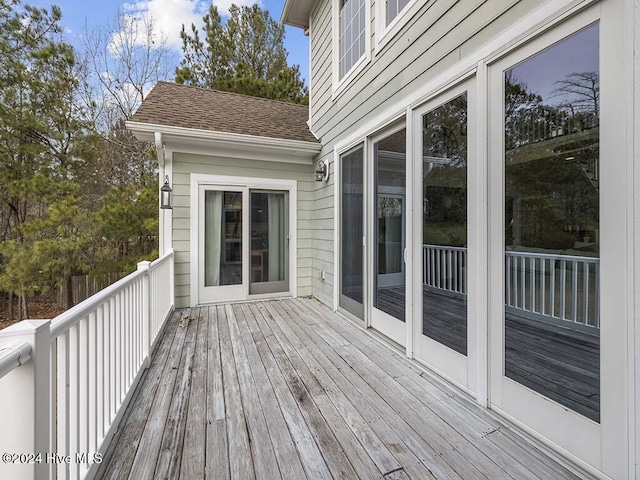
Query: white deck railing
{"points": [[540, 286], [444, 268], [86, 364]]}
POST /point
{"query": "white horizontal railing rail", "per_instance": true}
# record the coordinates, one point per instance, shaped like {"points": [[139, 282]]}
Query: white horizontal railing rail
{"points": [[95, 354], [13, 357], [540, 286]]}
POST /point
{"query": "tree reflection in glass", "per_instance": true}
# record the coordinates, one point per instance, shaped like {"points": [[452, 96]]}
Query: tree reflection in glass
{"points": [[551, 176], [444, 231]]}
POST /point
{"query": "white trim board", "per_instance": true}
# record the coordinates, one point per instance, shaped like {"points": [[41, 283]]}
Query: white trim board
{"points": [[196, 180], [233, 145]]}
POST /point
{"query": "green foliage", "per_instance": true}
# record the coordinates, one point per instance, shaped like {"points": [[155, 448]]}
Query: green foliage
{"points": [[552, 202], [245, 55], [128, 223], [73, 199]]}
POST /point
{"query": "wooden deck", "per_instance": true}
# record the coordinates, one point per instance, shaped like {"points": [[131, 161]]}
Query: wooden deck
{"points": [[288, 389]]}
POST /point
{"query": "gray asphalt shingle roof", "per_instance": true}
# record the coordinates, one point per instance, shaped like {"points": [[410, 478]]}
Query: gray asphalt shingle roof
{"points": [[175, 105]]}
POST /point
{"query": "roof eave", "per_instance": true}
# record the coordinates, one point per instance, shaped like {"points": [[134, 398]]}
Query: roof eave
{"points": [[196, 140], [296, 13]]}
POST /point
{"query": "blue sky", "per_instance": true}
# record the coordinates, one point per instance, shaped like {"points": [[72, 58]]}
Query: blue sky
{"points": [[169, 15]]}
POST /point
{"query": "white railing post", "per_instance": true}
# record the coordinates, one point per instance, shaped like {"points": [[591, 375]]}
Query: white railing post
{"points": [[172, 283], [25, 403], [146, 313]]}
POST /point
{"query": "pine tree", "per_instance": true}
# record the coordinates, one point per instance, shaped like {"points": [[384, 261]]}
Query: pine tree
{"points": [[245, 55]]}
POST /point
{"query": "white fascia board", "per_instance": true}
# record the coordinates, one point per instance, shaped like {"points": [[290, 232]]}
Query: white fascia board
{"points": [[206, 142]]}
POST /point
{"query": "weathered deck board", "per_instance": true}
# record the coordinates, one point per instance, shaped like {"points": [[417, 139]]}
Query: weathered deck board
{"points": [[193, 452], [128, 438], [217, 448], [288, 461], [332, 435], [468, 419], [240, 460], [310, 455], [286, 388], [171, 448], [464, 458]]}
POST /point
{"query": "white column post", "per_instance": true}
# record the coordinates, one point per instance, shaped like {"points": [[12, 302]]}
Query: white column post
{"points": [[146, 312], [24, 399]]}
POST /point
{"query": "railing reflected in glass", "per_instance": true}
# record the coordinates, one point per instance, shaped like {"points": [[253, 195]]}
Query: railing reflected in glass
{"points": [[551, 231], [444, 229]]}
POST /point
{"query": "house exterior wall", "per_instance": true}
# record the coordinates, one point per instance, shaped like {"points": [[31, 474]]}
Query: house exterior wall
{"points": [[185, 164], [439, 35]]}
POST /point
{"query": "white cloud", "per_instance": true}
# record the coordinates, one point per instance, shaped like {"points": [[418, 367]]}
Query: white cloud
{"points": [[169, 15]]}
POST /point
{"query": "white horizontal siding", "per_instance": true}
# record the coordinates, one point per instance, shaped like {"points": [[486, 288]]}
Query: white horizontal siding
{"points": [[186, 164]]}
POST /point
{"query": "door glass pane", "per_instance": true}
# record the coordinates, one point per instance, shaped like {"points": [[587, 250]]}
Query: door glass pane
{"points": [[351, 259], [552, 322], [444, 227], [268, 237], [390, 191], [222, 238]]}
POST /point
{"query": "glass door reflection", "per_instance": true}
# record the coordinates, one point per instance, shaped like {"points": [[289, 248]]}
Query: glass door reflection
{"points": [[269, 242], [388, 210], [444, 227], [552, 225]]}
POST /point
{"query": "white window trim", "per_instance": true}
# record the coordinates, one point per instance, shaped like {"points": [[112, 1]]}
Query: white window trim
{"points": [[339, 84], [197, 180], [384, 33]]}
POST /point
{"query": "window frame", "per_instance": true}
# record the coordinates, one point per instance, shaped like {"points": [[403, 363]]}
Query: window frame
{"points": [[339, 84], [384, 33]]}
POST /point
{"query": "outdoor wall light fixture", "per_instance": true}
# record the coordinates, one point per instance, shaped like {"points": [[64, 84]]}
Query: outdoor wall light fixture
{"points": [[322, 172], [165, 195]]}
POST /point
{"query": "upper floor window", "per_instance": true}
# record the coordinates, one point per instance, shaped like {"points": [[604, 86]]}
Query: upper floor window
{"points": [[391, 16], [352, 36], [393, 8]]}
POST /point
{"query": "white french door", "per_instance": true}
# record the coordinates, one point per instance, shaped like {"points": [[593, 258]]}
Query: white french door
{"points": [[445, 280], [387, 231], [556, 265]]}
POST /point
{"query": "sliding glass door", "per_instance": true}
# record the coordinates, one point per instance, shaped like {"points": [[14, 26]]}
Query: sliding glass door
{"points": [[389, 215], [243, 242], [445, 336], [546, 304], [352, 232]]}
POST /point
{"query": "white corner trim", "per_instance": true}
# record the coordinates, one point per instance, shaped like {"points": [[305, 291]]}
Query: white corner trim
{"points": [[159, 148]]}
